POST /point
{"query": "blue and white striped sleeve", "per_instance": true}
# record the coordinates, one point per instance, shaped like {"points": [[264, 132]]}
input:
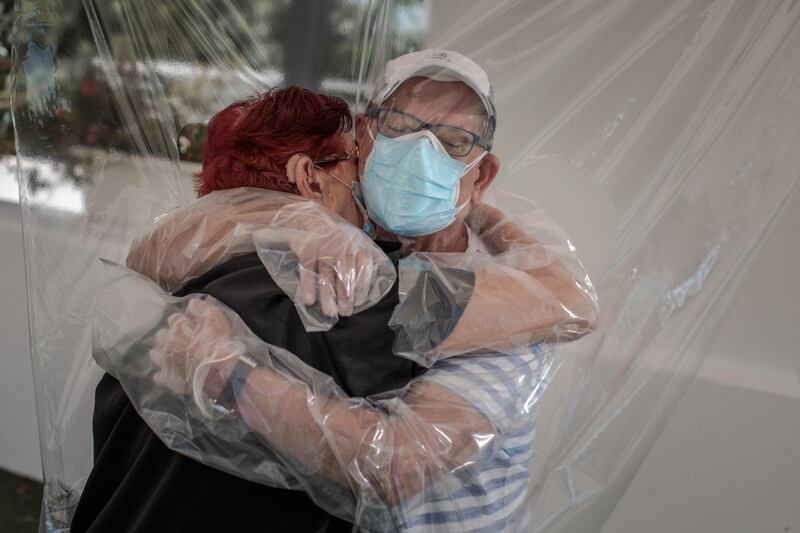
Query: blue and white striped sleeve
{"points": [[502, 387]]}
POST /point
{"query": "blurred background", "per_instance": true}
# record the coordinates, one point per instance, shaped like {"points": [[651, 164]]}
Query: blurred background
{"points": [[729, 457]]}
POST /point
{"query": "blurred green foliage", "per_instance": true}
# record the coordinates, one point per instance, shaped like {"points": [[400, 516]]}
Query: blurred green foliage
{"points": [[6, 128], [304, 42]]}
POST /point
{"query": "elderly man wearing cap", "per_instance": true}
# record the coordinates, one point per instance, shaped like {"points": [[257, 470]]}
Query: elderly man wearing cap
{"points": [[425, 144], [450, 450]]}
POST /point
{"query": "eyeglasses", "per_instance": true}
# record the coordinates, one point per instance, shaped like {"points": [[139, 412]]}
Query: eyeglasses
{"points": [[456, 141], [336, 158]]}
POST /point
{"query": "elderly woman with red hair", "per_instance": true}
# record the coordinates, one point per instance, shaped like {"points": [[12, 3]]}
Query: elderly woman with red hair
{"points": [[291, 141]]}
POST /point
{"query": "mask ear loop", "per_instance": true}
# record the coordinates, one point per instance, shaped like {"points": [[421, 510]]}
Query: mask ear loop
{"points": [[475, 163], [467, 169], [369, 126]]}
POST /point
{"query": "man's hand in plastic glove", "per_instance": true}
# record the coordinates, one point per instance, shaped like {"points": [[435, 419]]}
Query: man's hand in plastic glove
{"points": [[341, 267], [334, 271], [198, 339]]}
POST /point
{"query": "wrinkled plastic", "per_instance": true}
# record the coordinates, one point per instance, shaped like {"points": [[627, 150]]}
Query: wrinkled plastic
{"points": [[337, 259], [661, 135], [384, 462]]}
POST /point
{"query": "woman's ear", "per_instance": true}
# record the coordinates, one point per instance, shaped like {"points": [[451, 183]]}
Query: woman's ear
{"points": [[488, 169], [300, 171]]}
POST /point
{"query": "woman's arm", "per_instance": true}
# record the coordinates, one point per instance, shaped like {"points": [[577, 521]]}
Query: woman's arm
{"points": [[194, 238], [512, 309], [548, 302]]}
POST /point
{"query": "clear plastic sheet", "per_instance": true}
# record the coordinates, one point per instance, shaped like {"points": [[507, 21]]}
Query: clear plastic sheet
{"points": [[661, 136]]}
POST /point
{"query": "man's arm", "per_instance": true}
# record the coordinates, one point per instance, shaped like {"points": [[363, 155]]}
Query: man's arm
{"points": [[434, 433], [417, 434]]}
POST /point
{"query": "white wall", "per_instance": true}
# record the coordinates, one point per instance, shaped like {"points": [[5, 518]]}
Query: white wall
{"points": [[728, 461], [61, 265], [19, 440]]}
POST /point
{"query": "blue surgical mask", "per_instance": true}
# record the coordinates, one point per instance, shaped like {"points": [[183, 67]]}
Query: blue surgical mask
{"points": [[411, 185]]}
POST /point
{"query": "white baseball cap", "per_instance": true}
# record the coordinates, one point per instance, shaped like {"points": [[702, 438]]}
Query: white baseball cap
{"points": [[438, 65]]}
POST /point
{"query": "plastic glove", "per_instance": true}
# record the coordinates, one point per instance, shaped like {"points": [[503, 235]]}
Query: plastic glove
{"points": [[195, 353], [329, 267]]}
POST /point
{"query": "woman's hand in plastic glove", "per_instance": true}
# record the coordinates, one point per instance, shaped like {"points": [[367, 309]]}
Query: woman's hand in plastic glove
{"points": [[200, 336]]}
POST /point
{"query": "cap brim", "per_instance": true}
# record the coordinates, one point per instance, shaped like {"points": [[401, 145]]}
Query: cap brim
{"points": [[440, 73]]}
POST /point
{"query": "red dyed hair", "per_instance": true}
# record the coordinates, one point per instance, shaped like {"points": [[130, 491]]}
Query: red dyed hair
{"points": [[250, 141]]}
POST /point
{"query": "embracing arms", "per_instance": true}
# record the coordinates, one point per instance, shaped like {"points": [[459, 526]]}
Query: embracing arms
{"points": [[354, 456]]}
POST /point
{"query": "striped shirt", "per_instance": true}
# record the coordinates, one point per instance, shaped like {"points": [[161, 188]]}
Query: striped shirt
{"points": [[506, 389]]}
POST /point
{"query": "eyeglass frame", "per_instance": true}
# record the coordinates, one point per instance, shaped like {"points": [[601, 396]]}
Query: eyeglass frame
{"points": [[476, 139]]}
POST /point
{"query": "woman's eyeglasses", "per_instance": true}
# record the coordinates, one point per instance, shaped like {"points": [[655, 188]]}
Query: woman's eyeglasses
{"points": [[337, 158]]}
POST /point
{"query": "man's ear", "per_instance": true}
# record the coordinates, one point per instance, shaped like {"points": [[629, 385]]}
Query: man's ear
{"points": [[487, 172], [300, 169]]}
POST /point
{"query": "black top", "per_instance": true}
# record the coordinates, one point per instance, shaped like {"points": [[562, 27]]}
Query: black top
{"points": [[139, 485]]}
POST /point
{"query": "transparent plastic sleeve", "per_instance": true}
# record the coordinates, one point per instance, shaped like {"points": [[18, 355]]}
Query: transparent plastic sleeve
{"points": [[189, 240], [327, 266], [383, 462]]}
